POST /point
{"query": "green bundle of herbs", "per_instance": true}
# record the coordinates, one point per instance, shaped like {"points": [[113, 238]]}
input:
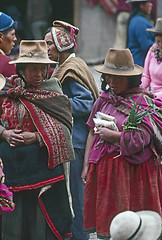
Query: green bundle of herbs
{"points": [[137, 114]]}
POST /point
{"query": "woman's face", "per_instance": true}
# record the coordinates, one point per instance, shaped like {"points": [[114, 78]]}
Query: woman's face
{"points": [[158, 40], [146, 7], [8, 41], [35, 73], [117, 84], [52, 50]]}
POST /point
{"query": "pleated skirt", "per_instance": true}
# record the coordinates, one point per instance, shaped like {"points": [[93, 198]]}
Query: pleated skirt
{"points": [[114, 185]]}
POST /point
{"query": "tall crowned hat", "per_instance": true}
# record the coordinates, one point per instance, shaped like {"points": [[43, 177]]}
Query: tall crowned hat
{"points": [[158, 27], [64, 35], [119, 62], [33, 51]]}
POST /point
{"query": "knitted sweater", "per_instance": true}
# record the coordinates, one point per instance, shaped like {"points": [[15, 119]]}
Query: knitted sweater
{"points": [[152, 74]]}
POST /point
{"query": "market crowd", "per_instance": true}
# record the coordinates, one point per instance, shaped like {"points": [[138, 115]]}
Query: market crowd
{"points": [[74, 161]]}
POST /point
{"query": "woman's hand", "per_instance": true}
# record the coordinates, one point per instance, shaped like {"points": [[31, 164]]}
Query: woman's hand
{"points": [[86, 155], [16, 137], [13, 137], [108, 135], [29, 137], [84, 173]]}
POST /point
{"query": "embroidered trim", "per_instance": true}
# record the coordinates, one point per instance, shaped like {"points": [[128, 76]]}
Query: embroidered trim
{"points": [[37, 185], [158, 54]]}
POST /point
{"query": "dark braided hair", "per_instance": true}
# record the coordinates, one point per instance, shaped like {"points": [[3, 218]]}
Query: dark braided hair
{"points": [[21, 67]]}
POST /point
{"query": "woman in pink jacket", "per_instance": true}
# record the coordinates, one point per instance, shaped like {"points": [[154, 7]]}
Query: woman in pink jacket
{"points": [[152, 74]]}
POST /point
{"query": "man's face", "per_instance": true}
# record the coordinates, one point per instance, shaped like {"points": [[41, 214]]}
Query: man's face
{"points": [[7, 41], [52, 50]]}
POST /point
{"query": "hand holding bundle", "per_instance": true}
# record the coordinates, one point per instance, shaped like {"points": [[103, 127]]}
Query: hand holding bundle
{"points": [[105, 120]]}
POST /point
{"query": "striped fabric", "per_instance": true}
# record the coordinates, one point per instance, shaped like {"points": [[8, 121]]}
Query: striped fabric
{"points": [[110, 6]]}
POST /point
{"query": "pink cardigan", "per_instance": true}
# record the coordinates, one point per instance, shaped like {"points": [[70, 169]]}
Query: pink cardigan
{"points": [[152, 74]]}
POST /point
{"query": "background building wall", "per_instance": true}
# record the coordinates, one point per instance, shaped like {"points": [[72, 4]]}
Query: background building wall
{"points": [[97, 30]]}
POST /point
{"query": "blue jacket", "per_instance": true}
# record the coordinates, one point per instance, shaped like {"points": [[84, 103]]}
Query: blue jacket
{"points": [[139, 39], [82, 102]]}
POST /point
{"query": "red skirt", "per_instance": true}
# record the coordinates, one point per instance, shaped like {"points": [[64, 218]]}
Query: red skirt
{"points": [[114, 185]]}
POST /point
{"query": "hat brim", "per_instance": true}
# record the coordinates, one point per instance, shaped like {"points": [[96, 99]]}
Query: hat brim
{"points": [[153, 30], [32, 60], [131, 1], [136, 71], [2, 81], [152, 224]]}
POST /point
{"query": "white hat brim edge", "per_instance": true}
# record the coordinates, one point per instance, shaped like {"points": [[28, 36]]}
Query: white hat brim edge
{"points": [[153, 30], [2, 81], [153, 228]]}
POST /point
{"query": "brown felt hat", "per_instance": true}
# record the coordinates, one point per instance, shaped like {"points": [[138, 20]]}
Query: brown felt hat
{"points": [[33, 51], [158, 27], [2, 81], [119, 62]]}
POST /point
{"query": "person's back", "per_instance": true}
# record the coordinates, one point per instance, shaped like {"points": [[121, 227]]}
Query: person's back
{"points": [[139, 43], [139, 40], [7, 42]]}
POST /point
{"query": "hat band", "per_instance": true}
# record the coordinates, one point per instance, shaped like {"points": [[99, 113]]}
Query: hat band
{"points": [[118, 67], [33, 54], [134, 234]]}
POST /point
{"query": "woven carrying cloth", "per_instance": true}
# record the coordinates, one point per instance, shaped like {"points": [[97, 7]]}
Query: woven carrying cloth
{"points": [[77, 69], [51, 114]]}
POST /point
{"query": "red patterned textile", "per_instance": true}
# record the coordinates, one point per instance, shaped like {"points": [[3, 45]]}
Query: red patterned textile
{"points": [[52, 133], [14, 114], [111, 6], [114, 185], [40, 105]]}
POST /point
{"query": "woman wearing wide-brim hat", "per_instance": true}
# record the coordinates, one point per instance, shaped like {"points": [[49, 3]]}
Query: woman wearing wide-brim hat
{"points": [[120, 164], [152, 73], [139, 40], [35, 131]]}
